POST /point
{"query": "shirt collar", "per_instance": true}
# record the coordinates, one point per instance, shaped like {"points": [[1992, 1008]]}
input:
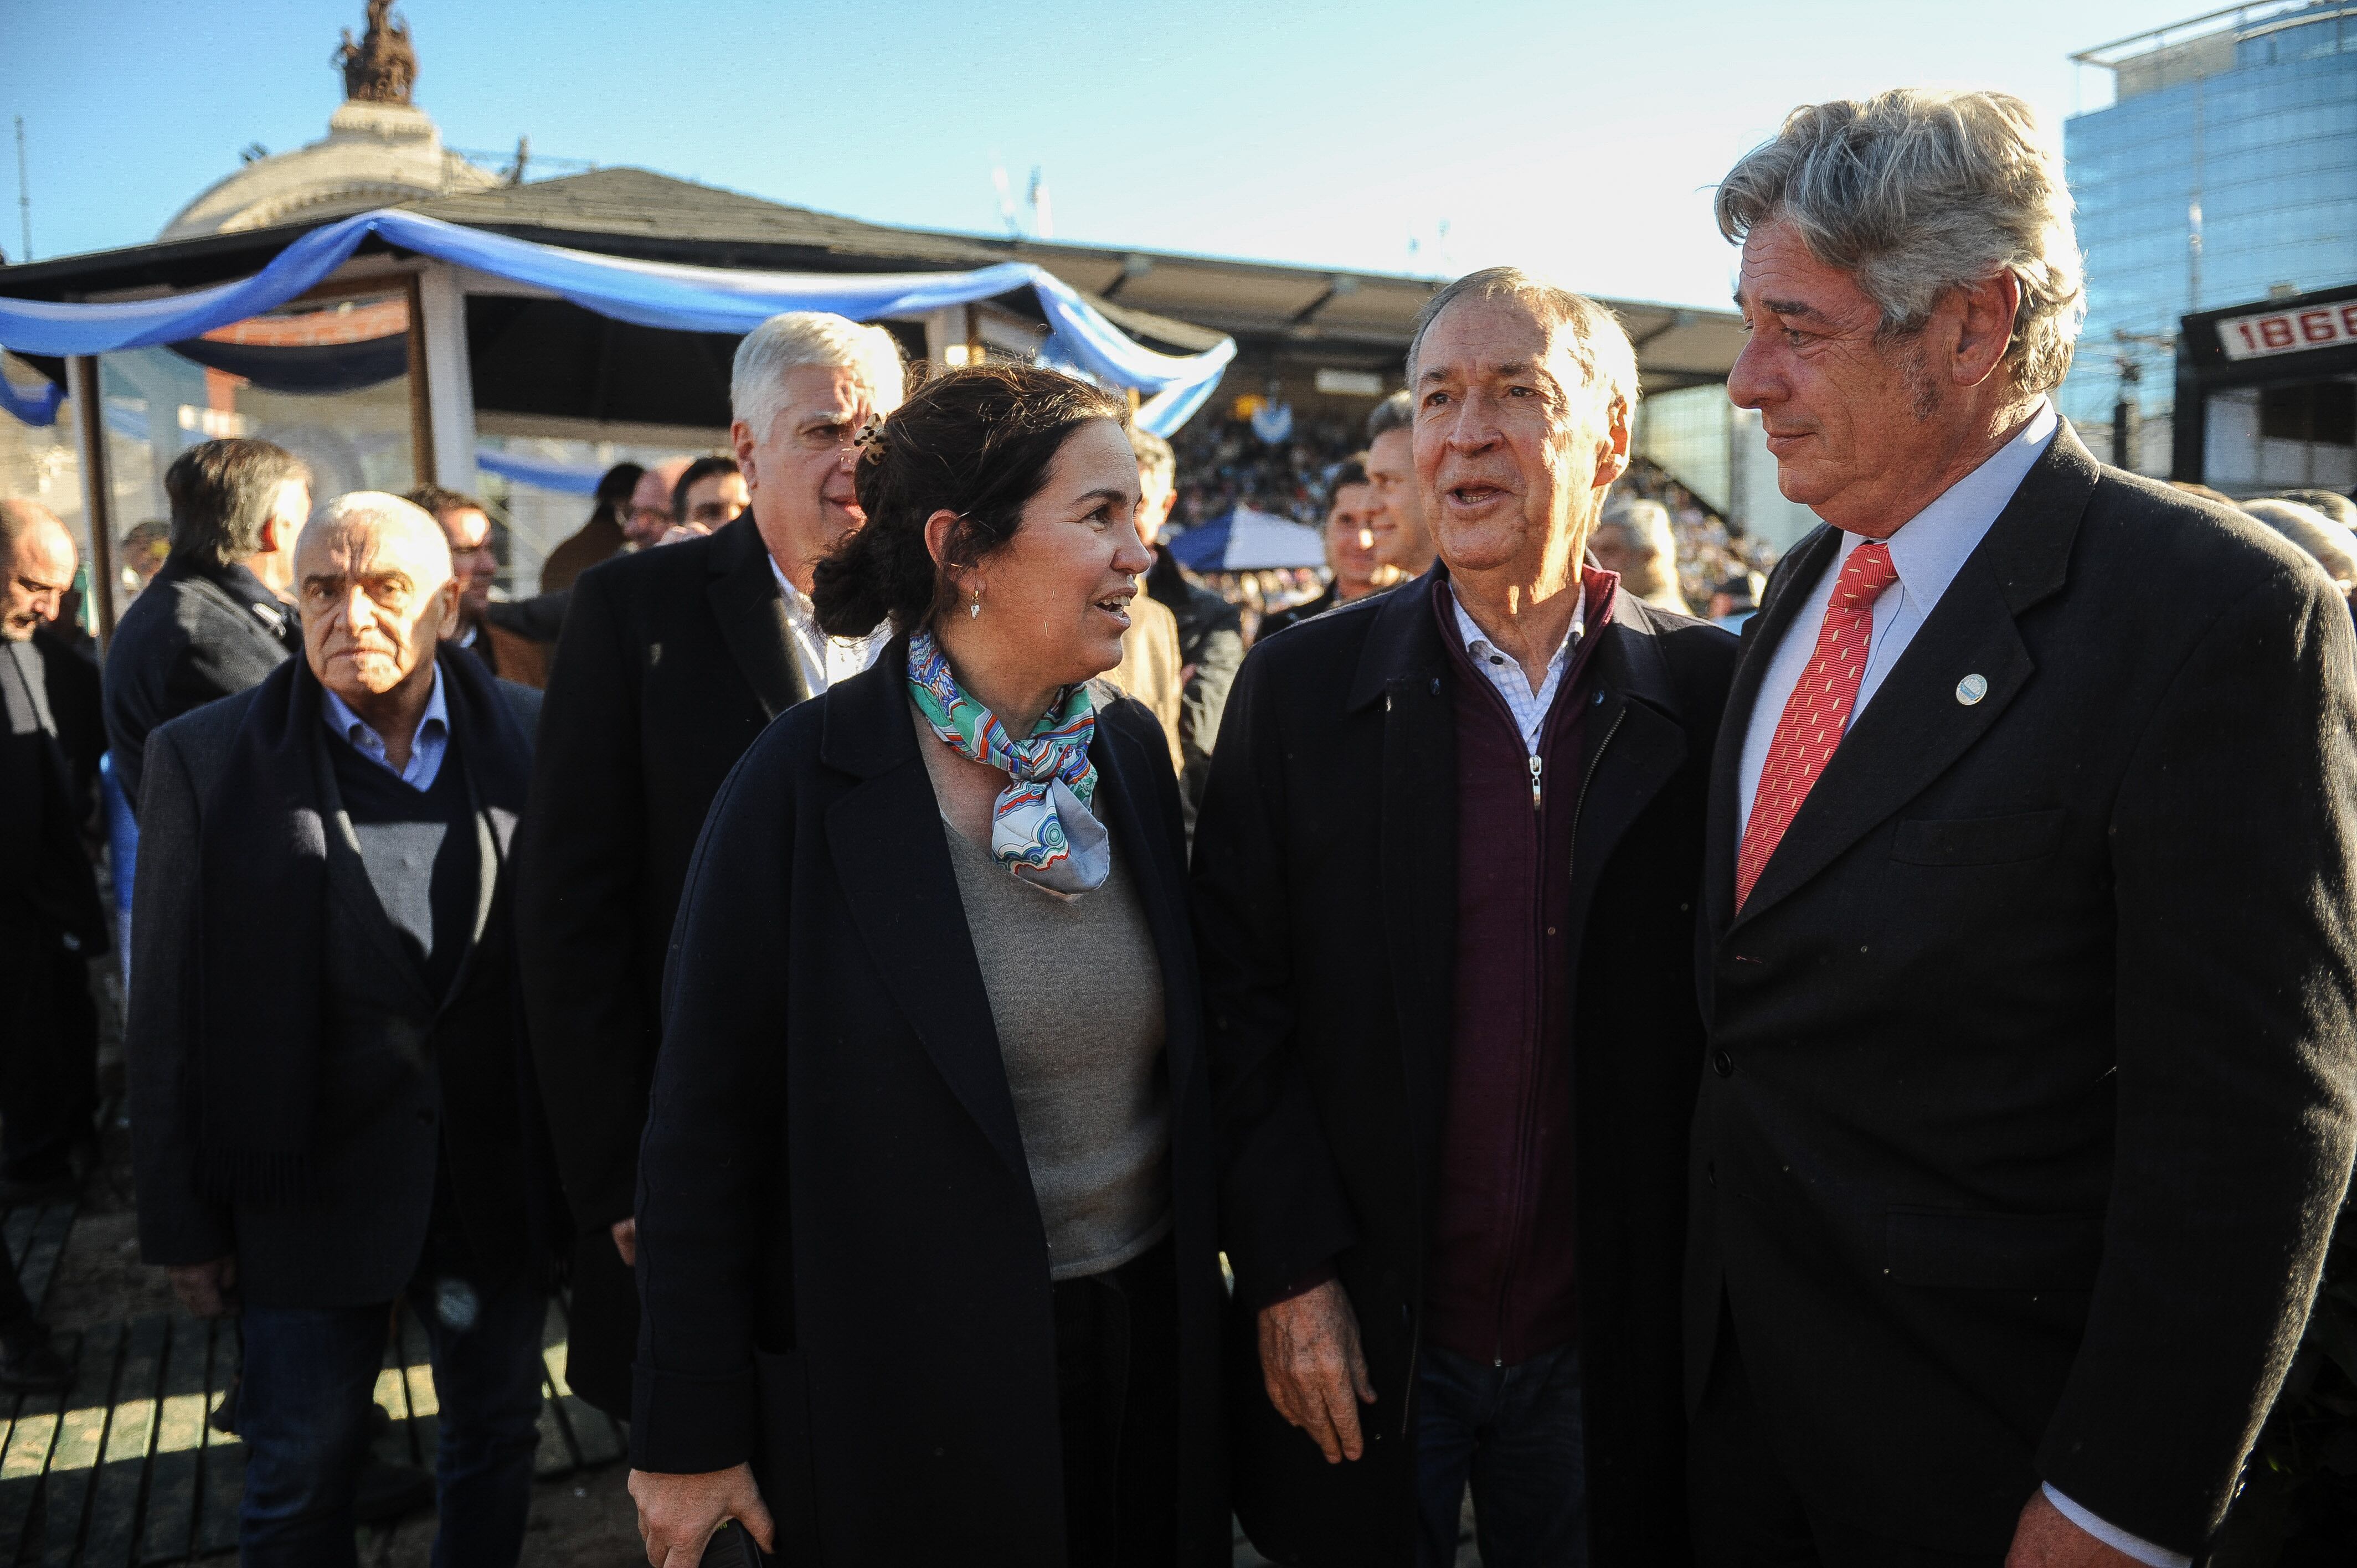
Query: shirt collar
{"points": [[798, 603], [1477, 643], [1931, 548], [357, 730]]}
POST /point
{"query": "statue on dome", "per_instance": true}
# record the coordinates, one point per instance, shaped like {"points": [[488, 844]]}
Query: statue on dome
{"points": [[382, 67]]}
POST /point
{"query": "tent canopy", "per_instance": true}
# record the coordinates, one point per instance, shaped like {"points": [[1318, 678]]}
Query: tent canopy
{"points": [[672, 297]]}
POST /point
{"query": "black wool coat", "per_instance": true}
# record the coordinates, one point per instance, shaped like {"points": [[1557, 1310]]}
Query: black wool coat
{"points": [[198, 631], [2034, 1051], [670, 662], [1325, 887], [843, 1270], [407, 1080]]}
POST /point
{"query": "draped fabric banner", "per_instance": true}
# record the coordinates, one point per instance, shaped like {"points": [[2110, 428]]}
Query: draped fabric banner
{"points": [[539, 472], [649, 294], [36, 406]]}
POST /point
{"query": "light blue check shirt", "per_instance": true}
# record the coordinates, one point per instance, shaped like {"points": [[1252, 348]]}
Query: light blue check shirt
{"points": [[1528, 707], [425, 751]]}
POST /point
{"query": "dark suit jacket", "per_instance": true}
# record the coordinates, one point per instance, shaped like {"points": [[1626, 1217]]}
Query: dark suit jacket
{"points": [[2034, 1049], [844, 1267], [77, 702], [1211, 650], [405, 1076], [1325, 906], [48, 778], [670, 662], [195, 633]]}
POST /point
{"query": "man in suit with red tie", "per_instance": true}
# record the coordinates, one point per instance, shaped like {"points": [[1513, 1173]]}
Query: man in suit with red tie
{"points": [[2028, 951]]}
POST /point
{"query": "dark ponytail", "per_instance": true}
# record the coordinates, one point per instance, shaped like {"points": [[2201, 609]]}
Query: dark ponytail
{"points": [[978, 442]]}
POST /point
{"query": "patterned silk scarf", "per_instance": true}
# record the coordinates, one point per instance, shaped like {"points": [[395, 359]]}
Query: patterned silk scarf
{"points": [[1041, 829]]}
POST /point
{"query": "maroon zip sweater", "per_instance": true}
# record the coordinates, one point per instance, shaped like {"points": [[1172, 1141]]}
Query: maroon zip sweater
{"points": [[1501, 1280]]}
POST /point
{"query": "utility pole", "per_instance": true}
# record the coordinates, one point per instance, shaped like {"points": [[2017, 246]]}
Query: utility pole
{"points": [[24, 197]]}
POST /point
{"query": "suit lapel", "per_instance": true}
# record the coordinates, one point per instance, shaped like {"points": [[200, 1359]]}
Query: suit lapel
{"points": [[893, 865], [1912, 732], [494, 828], [1916, 728], [493, 755], [1762, 636], [1631, 743], [752, 614], [1405, 666]]}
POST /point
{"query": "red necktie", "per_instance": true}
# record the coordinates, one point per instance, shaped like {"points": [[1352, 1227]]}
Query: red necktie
{"points": [[1817, 713]]}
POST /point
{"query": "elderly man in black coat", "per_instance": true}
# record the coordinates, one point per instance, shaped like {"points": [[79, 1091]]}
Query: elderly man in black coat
{"points": [[2029, 955], [332, 1108], [52, 923], [218, 615], [670, 662], [1445, 902]]}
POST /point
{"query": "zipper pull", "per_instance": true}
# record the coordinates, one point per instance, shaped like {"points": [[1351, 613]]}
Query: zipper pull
{"points": [[1535, 766]]}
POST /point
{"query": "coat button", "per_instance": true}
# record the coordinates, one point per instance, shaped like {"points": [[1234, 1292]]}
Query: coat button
{"points": [[1722, 1064]]}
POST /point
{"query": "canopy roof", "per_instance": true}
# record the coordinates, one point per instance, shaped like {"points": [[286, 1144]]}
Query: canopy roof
{"points": [[547, 357]]}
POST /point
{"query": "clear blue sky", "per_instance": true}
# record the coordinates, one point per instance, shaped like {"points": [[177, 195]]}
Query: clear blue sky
{"points": [[1576, 137]]}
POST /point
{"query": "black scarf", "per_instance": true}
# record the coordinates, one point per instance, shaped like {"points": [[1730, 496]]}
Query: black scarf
{"points": [[262, 917]]}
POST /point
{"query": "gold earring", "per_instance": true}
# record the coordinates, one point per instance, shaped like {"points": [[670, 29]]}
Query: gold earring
{"points": [[974, 611]]}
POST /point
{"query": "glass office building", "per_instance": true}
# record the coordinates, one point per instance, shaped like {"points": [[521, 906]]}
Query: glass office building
{"points": [[2223, 170]]}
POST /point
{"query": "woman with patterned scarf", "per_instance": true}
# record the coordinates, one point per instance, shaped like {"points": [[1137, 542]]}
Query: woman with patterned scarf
{"points": [[926, 1207]]}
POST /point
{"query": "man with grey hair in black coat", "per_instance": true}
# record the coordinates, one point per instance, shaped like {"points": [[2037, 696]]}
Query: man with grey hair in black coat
{"points": [[331, 1103], [2030, 898], [670, 662], [218, 615]]}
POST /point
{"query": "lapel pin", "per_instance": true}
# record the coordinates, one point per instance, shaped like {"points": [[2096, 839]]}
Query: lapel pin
{"points": [[1972, 688]]}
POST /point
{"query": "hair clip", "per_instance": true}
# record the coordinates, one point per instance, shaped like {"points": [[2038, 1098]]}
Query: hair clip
{"points": [[871, 439]]}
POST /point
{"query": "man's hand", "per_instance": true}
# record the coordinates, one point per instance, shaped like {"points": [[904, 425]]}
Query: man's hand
{"points": [[2044, 1538], [626, 1240], [677, 1514], [1317, 1377], [207, 1289]]}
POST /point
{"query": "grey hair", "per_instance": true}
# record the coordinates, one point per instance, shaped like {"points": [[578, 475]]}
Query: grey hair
{"points": [[1917, 192], [382, 508], [2336, 507], [1396, 412], [757, 379], [1648, 521], [1599, 344], [2320, 538]]}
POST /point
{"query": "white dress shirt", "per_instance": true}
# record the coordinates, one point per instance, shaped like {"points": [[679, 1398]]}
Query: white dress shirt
{"points": [[1528, 705], [1928, 552], [823, 661], [425, 749]]}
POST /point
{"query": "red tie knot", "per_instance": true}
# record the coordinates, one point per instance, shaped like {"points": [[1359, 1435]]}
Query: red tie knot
{"points": [[1865, 574]]}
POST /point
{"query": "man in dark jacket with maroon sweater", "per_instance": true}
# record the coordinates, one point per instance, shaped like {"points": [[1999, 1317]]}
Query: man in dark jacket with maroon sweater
{"points": [[1446, 878]]}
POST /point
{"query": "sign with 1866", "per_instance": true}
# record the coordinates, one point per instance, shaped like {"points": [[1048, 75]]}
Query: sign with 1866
{"points": [[2288, 332]]}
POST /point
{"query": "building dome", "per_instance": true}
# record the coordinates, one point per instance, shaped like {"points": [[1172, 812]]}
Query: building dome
{"points": [[374, 154]]}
